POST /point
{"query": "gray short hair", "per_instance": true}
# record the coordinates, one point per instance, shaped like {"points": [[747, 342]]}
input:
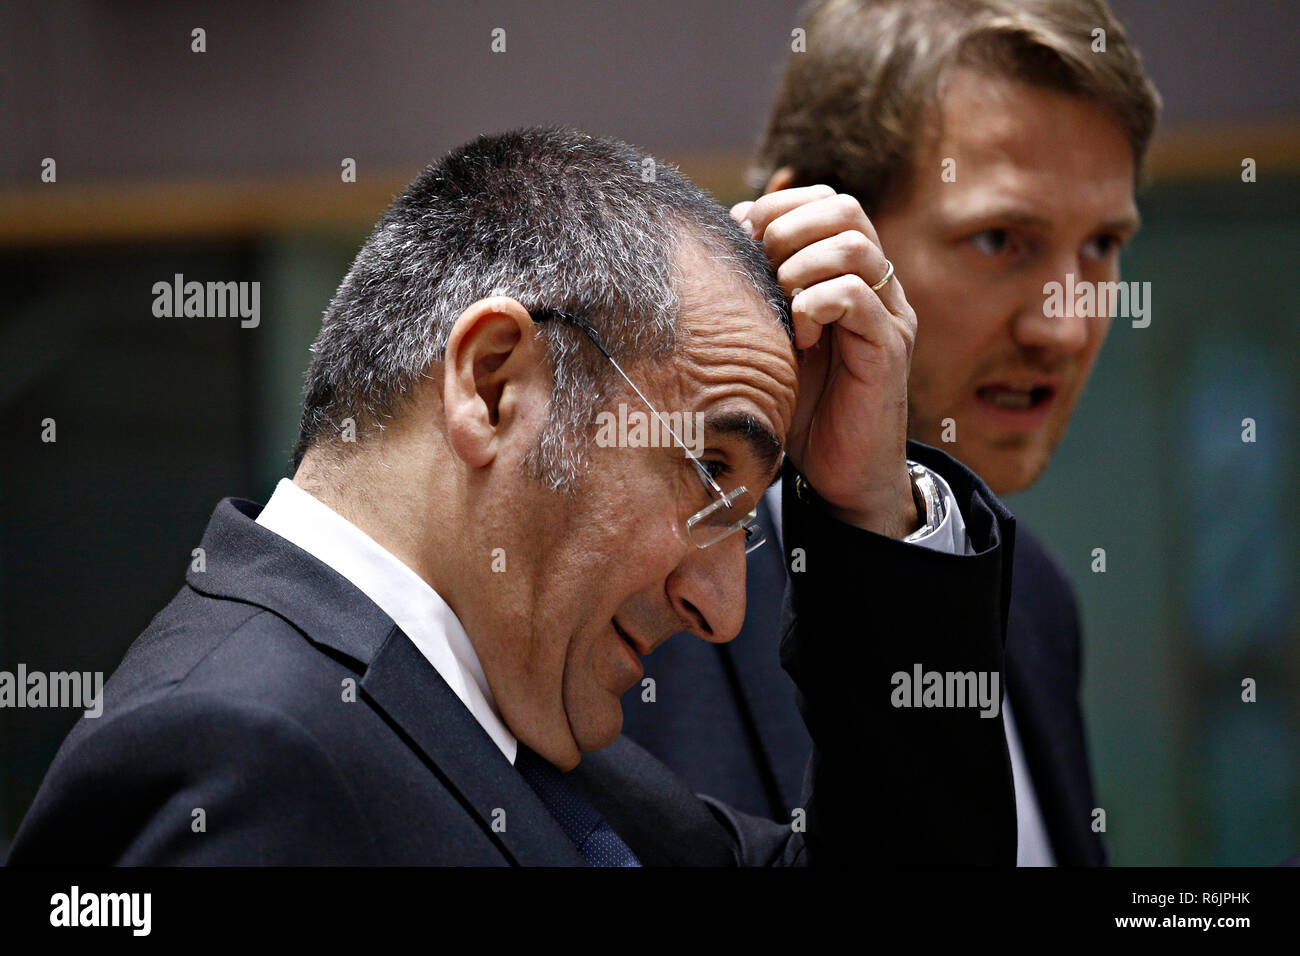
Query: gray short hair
{"points": [[552, 217]]}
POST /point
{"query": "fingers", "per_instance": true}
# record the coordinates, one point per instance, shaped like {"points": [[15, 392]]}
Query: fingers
{"points": [[827, 256], [767, 209], [805, 224], [793, 223], [848, 252], [849, 302], [741, 209], [788, 220]]}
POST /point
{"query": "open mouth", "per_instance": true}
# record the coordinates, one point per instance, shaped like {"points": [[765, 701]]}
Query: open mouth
{"points": [[1015, 399]]}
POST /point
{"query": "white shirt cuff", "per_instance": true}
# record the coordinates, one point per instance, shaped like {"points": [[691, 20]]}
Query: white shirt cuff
{"points": [[950, 537]]}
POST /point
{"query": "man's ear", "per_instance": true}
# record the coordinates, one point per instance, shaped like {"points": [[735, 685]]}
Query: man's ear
{"points": [[492, 354], [783, 178]]}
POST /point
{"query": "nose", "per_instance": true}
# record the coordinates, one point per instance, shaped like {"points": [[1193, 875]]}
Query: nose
{"points": [[1051, 320], [707, 589]]}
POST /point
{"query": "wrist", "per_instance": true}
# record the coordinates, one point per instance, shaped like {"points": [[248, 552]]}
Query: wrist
{"points": [[893, 514]]}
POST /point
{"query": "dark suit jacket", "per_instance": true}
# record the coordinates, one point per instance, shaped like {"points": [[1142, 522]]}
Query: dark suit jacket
{"points": [[273, 714], [725, 716]]}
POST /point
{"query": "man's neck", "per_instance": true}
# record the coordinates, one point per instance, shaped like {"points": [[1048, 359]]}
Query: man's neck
{"points": [[379, 502]]}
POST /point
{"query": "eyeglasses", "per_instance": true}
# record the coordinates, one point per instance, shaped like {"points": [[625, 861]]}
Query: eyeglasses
{"points": [[722, 517]]}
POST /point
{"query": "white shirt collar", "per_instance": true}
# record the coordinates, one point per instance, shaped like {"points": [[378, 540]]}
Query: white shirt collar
{"points": [[403, 595]]}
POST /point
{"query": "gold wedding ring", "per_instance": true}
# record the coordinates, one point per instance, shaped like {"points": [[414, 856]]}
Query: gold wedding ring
{"points": [[889, 274]]}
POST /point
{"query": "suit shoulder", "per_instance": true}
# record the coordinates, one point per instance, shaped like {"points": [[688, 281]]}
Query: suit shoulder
{"points": [[193, 776], [207, 671], [226, 652]]}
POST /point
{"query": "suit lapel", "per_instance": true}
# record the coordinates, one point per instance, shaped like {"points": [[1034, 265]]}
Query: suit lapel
{"points": [[433, 720], [247, 562]]}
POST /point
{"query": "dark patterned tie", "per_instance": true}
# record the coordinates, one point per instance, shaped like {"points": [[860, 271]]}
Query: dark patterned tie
{"points": [[580, 821]]}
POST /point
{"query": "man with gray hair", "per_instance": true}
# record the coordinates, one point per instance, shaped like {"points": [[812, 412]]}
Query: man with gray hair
{"points": [[400, 657]]}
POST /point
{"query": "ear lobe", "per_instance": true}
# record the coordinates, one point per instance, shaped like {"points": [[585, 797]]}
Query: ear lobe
{"points": [[783, 178], [491, 343]]}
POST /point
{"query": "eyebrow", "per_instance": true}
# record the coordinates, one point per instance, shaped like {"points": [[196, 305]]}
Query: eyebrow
{"points": [[1019, 217], [762, 443], [1126, 224]]}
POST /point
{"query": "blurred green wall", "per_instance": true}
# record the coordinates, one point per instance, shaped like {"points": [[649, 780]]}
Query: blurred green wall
{"points": [[1200, 530]]}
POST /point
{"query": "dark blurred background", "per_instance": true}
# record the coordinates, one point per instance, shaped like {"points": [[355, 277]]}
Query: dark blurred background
{"points": [[225, 166]]}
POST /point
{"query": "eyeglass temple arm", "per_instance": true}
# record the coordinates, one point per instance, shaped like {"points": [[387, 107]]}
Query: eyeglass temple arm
{"points": [[591, 334]]}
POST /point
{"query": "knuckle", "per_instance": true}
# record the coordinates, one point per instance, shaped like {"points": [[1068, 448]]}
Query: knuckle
{"points": [[856, 293], [908, 338], [907, 330], [759, 208], [785, 276], [856, 244], [775, 234], [848, 204]]}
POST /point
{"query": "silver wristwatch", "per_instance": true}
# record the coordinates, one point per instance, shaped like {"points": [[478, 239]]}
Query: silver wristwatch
{"points": [[929, 501]]}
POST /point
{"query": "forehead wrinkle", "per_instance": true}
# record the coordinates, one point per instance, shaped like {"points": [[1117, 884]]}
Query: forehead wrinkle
{"points": [[729, 342], [733, 366], [774, 361]]}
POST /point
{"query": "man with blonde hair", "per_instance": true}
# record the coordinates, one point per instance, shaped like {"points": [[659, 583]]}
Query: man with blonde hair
{"points": [[995, 146]]}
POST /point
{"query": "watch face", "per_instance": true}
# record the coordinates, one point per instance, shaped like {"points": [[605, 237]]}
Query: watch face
{"points": [[928, 501]]}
